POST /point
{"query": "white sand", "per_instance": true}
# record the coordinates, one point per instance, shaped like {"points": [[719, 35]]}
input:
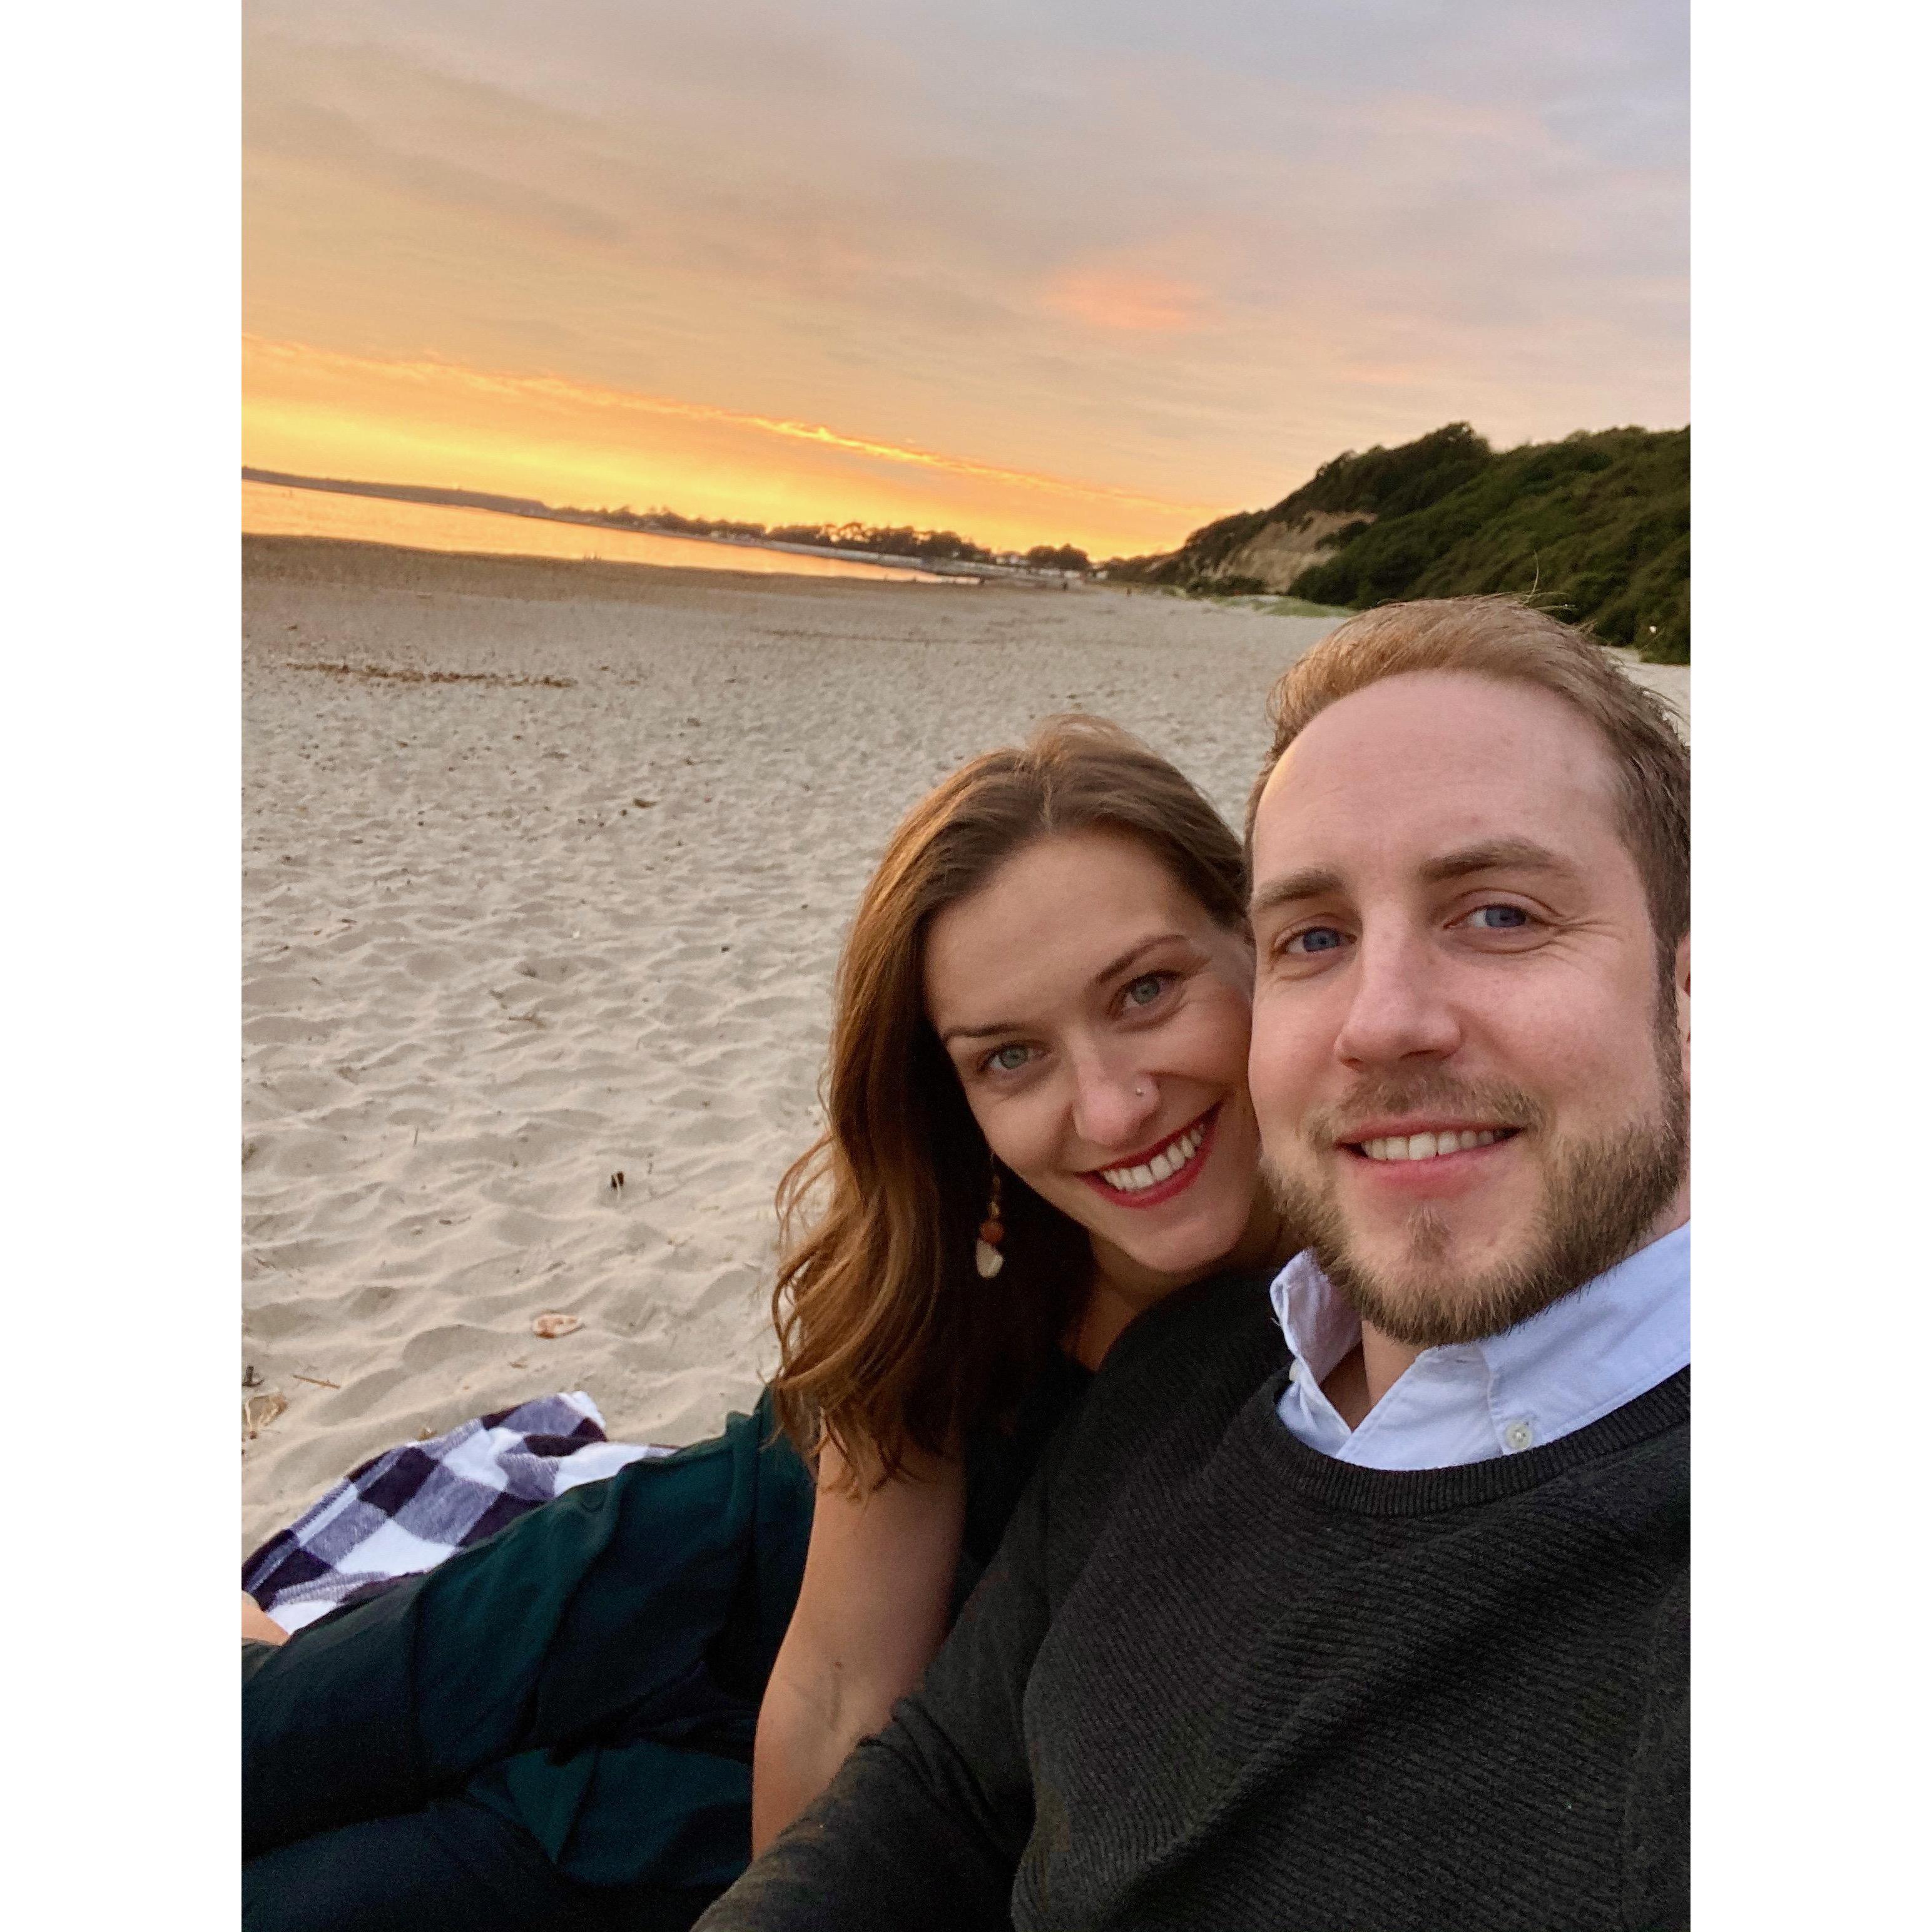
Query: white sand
{"points": [[478, 979]]}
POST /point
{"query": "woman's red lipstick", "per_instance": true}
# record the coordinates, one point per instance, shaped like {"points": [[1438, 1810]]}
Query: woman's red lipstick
{"points": [[1178, 1182]]}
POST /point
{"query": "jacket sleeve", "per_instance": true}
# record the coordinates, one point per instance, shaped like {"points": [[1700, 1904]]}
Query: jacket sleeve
{"points": [[925, 1823]]}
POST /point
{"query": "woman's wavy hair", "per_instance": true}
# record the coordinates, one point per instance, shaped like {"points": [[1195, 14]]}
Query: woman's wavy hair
{"points": [[890, 1343]]}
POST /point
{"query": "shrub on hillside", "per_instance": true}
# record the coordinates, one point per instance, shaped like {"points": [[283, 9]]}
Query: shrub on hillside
{"points": [[1596, 527]]}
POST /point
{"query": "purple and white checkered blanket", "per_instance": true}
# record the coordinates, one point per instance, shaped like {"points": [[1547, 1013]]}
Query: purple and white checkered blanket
{"points": [[406, 1511]]}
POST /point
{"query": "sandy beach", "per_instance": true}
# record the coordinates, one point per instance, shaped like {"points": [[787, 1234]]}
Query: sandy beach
{"points": [[546, 868]]}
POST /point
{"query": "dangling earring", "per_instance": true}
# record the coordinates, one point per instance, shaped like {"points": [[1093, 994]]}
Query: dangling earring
{"points": [[986, 1256]]}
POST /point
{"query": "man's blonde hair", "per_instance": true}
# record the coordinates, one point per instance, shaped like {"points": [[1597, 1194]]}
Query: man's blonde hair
{"points": [[1503, 638]]}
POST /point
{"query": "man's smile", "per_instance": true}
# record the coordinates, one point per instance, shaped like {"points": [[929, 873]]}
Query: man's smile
{"points": [[1411, 1143], [1407, 1160]]}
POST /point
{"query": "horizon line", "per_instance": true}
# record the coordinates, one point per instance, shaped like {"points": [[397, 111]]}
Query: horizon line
{"points": [[509, 506]]}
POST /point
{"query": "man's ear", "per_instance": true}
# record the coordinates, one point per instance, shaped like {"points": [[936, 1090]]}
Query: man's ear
{"points": [[1684, 1001]]}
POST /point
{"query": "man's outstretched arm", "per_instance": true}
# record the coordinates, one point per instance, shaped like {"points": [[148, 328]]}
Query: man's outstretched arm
{"points": [[925, 1823]]}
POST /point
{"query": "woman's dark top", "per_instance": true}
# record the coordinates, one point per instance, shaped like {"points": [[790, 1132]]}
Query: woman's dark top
{"points": [[1000, 1462], [591, 1674]]}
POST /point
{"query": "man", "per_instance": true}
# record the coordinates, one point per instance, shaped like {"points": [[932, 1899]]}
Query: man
{"points": [[1394, 1634]]}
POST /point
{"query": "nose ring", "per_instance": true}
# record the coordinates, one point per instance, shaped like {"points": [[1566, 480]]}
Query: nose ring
{"points": [[1140, 1092]]}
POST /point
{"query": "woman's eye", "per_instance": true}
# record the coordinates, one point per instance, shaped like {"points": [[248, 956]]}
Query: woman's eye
{"points": [[1147, 988], [1008, 1059], [1315, 939], [1498, 918]]}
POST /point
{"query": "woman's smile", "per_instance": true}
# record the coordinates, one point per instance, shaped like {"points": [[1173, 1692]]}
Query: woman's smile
{"points": [[1157, 1174]]}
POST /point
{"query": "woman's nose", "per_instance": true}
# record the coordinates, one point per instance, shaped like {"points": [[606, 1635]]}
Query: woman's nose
{"points": [[1113, 1100]]}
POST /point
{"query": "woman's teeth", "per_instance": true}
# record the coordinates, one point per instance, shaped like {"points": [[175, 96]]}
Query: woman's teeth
{"points": [[1428, 1147], [1171, 1159]]}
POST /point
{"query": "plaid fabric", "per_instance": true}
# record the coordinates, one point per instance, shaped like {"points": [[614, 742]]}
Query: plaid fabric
{"points": [[406, 1511]]}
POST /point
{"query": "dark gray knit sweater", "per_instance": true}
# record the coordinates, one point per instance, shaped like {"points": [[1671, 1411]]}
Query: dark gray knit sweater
{"points": [[1215, 1680]]}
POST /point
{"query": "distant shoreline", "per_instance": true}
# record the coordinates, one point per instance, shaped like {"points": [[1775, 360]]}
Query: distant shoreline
{"points": [[293, 557], [528, 506]]}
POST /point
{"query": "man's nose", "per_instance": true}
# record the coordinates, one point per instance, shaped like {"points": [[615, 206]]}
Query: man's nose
{"points": [[1399, 1009], [1113, 1100]]}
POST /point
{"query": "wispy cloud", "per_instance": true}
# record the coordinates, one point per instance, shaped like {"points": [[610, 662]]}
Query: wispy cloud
{"points": [[567, 440], [1184, 256], [510, 387], [1121, 298]]}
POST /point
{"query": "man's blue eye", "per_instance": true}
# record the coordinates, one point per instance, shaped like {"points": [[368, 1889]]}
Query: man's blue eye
{"points": [[1317, 939], [1500, 918]]}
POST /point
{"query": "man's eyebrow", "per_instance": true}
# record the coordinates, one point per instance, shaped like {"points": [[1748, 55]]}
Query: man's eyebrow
{"points": [[1488, 855], [1099, 978], [1495, 855], [1310, 883]]}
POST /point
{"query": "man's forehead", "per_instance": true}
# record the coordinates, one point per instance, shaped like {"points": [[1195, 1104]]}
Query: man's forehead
{"points": [[1429, 763]]}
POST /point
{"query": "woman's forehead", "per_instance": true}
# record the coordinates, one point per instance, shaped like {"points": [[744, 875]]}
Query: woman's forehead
{"points": [[1048, 924]]}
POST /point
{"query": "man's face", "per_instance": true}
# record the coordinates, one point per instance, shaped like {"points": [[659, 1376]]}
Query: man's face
{"points": [[1470, 1082]]}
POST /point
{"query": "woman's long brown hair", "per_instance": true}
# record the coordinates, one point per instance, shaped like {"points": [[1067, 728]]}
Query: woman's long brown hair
{"points": [[890, 1343]]}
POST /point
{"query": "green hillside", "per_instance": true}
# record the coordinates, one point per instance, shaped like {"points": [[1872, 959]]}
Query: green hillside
{"points": [[1597, 527]]}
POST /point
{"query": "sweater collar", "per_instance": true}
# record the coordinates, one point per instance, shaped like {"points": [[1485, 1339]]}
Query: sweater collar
{"points": [[1595, 1349]]}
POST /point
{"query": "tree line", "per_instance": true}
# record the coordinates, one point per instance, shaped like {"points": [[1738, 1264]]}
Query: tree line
{"points": [[887, 539], [1597, 527]]}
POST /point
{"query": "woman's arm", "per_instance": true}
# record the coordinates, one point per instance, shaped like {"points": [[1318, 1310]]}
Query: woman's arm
{"points": [[871, 1613], [257, 1626], [926, 1827]]}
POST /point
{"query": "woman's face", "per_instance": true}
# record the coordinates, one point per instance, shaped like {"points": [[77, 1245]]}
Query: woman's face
{"points": [[1098, 1020]]}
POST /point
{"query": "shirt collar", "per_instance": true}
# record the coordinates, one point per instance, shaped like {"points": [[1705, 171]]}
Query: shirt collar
{"points": [[1600, 1346]]}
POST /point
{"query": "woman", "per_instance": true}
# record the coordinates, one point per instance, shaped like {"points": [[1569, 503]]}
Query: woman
{"points": [[1037, 1125]]}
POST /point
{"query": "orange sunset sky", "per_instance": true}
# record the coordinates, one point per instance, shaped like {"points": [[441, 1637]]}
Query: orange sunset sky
{"points": [[1056, 272]]}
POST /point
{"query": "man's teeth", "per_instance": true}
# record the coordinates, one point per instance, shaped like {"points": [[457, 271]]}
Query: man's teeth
{"points": [[1426, 1147], [1171, 1159]]}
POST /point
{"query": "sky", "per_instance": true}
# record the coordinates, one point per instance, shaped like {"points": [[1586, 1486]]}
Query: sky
{"points": [[1036, 270]]}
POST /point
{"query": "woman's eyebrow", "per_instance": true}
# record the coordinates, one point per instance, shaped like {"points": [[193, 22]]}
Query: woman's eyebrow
{"points": [[1133, 952], [1099, 978], [979, 1032]]}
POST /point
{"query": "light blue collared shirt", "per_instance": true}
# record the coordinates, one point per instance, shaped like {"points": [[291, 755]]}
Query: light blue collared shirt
{"points": [[1601, 1346]]}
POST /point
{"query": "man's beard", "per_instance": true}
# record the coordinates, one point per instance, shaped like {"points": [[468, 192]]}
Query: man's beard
{"points": [[1601, 1199]]}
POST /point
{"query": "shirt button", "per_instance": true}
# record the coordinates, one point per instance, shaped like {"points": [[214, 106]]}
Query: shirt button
{"points": [[1518, 1435], [1294, 1369]]}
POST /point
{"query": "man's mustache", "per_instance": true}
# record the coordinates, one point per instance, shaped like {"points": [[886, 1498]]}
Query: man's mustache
{"points": [[1374, 1099]]}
